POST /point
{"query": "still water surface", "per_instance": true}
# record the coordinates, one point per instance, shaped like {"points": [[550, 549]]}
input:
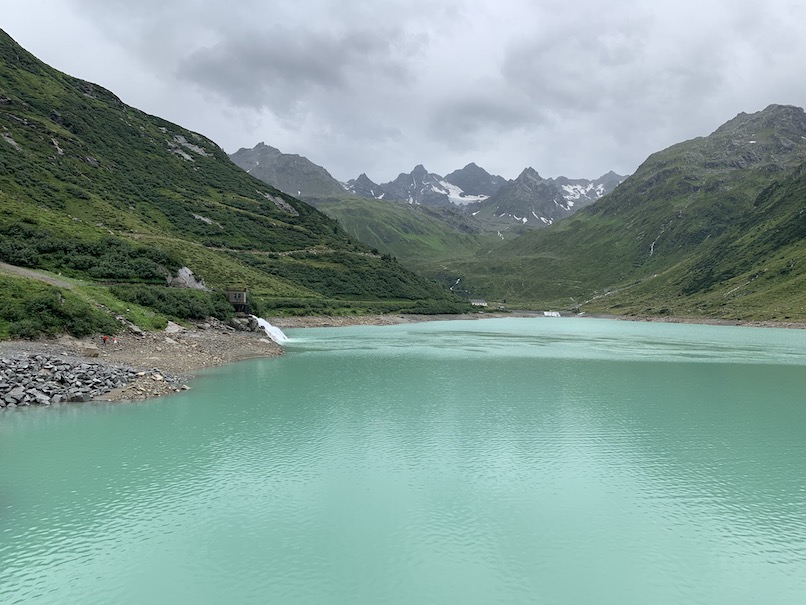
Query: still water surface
{"points": [[557, 461]]}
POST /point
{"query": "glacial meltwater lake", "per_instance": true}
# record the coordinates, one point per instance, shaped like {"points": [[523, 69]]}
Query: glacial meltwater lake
{"points": [[511, 461]]}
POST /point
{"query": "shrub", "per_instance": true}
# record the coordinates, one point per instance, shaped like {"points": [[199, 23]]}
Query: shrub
{"points": [[179, 303], [109, 258], [29, 309]]}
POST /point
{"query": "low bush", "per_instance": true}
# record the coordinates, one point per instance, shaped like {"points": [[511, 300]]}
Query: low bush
{"points": [[107, 258], [29, 310], [179, 303]]}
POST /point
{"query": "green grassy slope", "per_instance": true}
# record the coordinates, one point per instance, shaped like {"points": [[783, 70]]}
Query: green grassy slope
{"points": [[672, 209], [92, 188], [755, 270], [416, 235]]}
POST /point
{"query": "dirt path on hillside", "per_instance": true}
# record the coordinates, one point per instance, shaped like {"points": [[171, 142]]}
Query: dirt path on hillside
{"points": [[32, 274]]}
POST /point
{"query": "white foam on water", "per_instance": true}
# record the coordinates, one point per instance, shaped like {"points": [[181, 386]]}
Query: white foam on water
{"points": [[273, 332]]}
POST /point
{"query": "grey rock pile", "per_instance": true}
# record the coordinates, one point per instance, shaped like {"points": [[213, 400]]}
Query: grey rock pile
{"points": [[243, 324], [46, 380]]}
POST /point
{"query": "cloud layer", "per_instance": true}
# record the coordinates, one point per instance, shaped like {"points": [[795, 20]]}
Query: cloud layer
{"points": [[574, 88]]}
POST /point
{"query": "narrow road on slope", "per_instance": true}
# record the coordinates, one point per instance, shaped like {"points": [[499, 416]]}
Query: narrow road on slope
{"points": [[32, 274]]}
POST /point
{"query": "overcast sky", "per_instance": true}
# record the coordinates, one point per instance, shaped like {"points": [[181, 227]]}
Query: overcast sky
{"points": [[568, 87]]}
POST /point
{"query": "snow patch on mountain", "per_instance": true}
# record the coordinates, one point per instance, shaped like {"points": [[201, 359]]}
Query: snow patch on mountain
{"points": [[457, 196], [575, 192]]}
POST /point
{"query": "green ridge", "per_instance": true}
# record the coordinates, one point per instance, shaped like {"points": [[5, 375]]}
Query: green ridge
{"points": [[670, 218], [98, 190]]}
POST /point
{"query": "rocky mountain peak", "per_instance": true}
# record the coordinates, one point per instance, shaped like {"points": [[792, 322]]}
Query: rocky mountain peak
{"points": [[533, 201], [475, 181], [786, 120], [530, 173], [264, 149], [291, 173], [419, 171], [610, 180], [364, 187]]}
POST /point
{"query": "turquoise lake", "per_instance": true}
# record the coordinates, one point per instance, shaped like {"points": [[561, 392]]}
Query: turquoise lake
{"points": [[512, 461]]}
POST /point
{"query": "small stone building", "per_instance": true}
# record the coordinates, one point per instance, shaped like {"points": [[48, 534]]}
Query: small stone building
{"points": [[238, 298]]}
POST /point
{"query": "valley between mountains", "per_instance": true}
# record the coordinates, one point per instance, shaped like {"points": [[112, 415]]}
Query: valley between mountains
{"points": [[710, 227], [148, 222]]}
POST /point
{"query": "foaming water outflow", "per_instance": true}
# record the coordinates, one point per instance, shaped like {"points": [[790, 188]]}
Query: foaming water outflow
{"points": [[273, 332]]}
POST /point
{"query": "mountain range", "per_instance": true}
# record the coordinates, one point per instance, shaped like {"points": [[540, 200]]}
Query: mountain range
{"points": [[533, 201], [115, 203], [643, 244], [463, 186], [527, 201]]}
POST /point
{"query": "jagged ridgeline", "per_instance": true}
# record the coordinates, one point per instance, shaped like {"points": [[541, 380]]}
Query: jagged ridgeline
{"points": [[99, 191], [416, 234]]}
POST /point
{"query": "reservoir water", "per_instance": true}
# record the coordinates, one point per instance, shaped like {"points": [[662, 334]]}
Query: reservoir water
{"points": [[513, 461]]}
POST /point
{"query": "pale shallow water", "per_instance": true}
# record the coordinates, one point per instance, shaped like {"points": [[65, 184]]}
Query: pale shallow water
{"points": [[557, 461]]}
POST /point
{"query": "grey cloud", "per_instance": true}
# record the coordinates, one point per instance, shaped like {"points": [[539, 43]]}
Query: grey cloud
{"points": [[276, 69], [576, 69], [572, 88], [465, 120]]}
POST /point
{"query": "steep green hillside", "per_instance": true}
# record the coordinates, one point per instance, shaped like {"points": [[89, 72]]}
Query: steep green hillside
{"points": [[673, 208], [756, 269], [95, 189], [416, 235]]}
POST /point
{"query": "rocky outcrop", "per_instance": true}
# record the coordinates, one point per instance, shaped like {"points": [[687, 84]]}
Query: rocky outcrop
{"points": [[184, 278], [45, 380]]}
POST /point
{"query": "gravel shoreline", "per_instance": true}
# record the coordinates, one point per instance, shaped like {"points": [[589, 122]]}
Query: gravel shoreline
{"points": [[148, 365]]}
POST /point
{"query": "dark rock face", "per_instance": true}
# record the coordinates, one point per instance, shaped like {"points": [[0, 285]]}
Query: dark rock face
{"points": [[418, 187], [46, 380], [533, 201], [365, 187], [474, 180], [290, 173]]}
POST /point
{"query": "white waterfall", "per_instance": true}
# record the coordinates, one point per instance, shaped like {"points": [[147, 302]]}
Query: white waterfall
{"points": [[273, 332]]}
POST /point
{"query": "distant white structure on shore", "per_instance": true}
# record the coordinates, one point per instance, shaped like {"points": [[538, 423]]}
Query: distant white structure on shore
{"points": [[477, 302], [552, 314]]}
